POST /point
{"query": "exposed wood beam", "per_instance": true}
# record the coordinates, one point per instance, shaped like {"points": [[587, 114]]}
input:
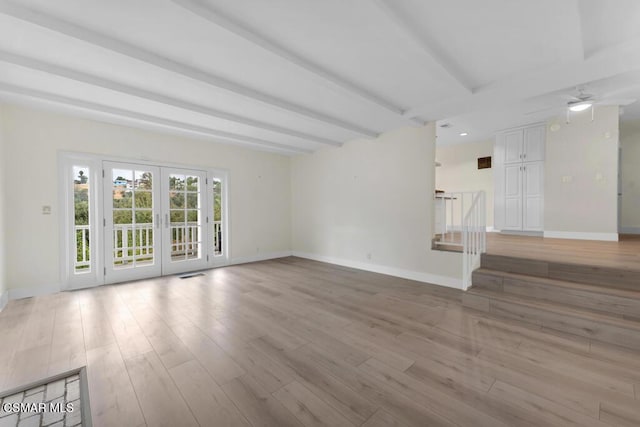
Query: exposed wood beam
{"points": [[104, 109], [441, 63], [78, 76], [131, 51], [219, 18]]}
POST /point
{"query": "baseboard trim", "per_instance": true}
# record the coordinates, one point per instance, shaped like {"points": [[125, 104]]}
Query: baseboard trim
{"points": [[609, 237], [4, 299], [259, 257], [33, 291], [629, 230], [419, 276], [522, 233]]}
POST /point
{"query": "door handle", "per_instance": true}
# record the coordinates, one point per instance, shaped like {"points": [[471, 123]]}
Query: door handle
{"points": [[166, 220], [157, 220]]}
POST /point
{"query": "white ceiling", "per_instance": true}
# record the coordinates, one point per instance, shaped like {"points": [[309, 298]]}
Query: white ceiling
{"points": [[296, 75]]}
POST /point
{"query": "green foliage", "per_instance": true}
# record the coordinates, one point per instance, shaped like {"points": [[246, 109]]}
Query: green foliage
{"points": [[81, 206], [217, 200]]}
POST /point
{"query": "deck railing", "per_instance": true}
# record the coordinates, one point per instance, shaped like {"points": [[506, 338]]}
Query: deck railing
{"points": [[131, 242], [82, 260]]}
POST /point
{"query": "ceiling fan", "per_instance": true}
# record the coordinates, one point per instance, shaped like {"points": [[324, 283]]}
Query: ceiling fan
{"points": [[582, 101], [579, 102]]}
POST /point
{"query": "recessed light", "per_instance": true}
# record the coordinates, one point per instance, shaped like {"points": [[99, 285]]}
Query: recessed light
{"points": [[464, 134]]}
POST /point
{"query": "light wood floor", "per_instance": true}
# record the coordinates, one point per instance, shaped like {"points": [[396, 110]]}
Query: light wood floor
{"points": [[297, 342], [622, 254]]}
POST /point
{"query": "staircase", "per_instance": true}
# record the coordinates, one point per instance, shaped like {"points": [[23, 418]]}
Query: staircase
{"points": [[599, 303]]}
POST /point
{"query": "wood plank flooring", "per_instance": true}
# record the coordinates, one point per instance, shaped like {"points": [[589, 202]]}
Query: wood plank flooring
{"points": [[293, 342], [622, 254]]}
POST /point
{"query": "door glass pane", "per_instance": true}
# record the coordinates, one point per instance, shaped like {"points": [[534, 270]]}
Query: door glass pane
{"points": [[217, 217], [122, 198], [82, 230], [143, 199], [192, 201], [143, 181], [185, 217], [132, 218]]}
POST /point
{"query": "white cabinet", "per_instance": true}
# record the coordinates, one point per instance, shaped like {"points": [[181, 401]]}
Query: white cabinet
{"points": [[533, 147], [519, 179], [523, 145]]}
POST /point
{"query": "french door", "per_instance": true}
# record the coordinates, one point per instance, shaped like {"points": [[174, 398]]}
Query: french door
{"points": [[184, 234], [156, 221]]}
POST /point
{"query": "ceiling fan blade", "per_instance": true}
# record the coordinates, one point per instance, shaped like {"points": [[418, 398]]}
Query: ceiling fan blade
{"points": [[569, 98], [542, 110]]}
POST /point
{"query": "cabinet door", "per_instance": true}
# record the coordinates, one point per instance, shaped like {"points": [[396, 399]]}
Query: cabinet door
{"points": [[533, 197], [513, 142], [513, 197], [534, 140]]}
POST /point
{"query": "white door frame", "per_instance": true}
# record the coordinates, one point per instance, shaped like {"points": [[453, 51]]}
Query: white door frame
{"points": [[134, 272], [66, 160], [169, 265]]}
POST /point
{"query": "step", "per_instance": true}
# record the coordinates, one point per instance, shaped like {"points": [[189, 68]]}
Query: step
{"points": [[612, 277], [555, 316], [622, 303]]}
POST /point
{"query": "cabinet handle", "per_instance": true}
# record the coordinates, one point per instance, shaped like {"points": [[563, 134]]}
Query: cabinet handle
{"points": [[166, 220], [525, 156]]}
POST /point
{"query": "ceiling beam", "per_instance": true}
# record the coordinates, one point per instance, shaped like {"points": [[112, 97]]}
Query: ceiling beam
{"points": [[578, 34], [104, 109], [444, 66], [78, 76], [614, 61], [219, 18], [80, 33]]}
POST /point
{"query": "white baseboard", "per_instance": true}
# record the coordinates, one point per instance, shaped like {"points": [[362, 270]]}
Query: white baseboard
{"points": [[33, 291], [260, 257], [609, 237], [419, 276], [629, 230], [4, 299]]}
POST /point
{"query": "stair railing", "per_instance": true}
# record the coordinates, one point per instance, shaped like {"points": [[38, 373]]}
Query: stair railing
{"points": [[474, 237]]}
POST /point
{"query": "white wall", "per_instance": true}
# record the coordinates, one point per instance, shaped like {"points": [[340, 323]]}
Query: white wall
{"points": [[3, 237], [459, 170], [259, 191], [581, 175], [372, 197], [630, 170]]}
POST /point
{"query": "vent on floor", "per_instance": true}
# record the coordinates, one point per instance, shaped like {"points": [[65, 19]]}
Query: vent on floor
{"points": [[190, 275]]}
